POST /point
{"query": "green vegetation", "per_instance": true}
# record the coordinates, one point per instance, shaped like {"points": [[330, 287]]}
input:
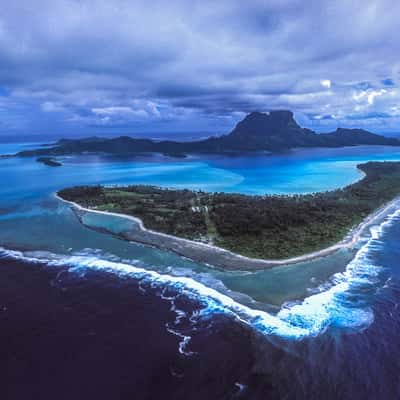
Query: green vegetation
{"points": [[254, 226]]}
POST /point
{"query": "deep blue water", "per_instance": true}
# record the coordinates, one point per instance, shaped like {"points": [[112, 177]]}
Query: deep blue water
{"points": [[85, 315]]}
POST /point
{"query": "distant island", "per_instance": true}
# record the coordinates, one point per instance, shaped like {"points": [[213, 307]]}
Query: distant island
{"points": [[273, 131], [49, 162], [259, 227]]}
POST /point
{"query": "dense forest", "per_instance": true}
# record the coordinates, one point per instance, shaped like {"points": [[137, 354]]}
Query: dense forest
{"points": [[271, 226]]}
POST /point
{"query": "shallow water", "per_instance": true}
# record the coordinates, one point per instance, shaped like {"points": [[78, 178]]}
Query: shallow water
{"points": [[313, 301]]}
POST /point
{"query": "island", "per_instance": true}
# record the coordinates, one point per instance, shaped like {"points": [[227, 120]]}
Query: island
{"points": [[273, 131], [49, 161], [234, 228]]}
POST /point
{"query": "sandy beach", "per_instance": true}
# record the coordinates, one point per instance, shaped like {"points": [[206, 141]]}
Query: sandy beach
{"points": [[225, 259]]}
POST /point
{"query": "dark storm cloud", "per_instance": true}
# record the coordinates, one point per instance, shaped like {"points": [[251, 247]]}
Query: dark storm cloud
{"points": [[69, 63]]}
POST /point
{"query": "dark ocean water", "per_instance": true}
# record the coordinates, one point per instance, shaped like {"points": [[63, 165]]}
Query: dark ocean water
{"points": [[96, 335], [65, 336]]}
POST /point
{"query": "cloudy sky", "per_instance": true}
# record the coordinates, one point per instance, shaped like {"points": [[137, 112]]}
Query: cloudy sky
{"points": [[128, 67]]}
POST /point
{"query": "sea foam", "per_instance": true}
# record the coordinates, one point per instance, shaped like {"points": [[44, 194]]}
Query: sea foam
{"points": [[345, 304]]}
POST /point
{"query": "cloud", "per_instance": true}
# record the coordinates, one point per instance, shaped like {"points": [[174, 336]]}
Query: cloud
{"points": [[109, 111], [326, 83], [68, 64], [50, 106]]}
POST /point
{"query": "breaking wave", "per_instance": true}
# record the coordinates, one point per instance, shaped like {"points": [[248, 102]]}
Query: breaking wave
{"points": [[343, 303]]}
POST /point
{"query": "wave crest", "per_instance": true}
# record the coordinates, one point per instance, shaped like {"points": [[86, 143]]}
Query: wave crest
{"points": [[344, 304]]}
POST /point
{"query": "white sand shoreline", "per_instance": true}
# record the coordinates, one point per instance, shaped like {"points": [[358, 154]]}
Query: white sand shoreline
{"points": [[225, 259]]}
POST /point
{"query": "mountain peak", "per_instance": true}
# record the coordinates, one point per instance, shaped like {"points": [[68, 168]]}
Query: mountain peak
{"points": [[266, 124], [270, 131], [282, 115]]}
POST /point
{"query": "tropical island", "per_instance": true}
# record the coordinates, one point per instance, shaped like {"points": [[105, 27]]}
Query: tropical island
{"points": [[266, 227], [273, 131]]}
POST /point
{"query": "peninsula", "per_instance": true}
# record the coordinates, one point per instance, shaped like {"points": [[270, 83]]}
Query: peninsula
{"points": [[271, 132], [229, 226]]}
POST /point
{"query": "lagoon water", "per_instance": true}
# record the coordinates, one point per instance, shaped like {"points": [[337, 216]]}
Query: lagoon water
{"points": [[291, 322]]}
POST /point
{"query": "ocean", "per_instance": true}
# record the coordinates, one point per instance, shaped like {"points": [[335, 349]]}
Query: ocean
{"points": [[86, 315]]}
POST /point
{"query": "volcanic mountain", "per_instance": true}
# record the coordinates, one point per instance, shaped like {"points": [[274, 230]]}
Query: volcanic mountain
{"points": [[272, 131]]}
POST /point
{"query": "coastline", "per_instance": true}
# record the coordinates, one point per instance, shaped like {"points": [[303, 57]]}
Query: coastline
{"points": [[225, 259]]}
